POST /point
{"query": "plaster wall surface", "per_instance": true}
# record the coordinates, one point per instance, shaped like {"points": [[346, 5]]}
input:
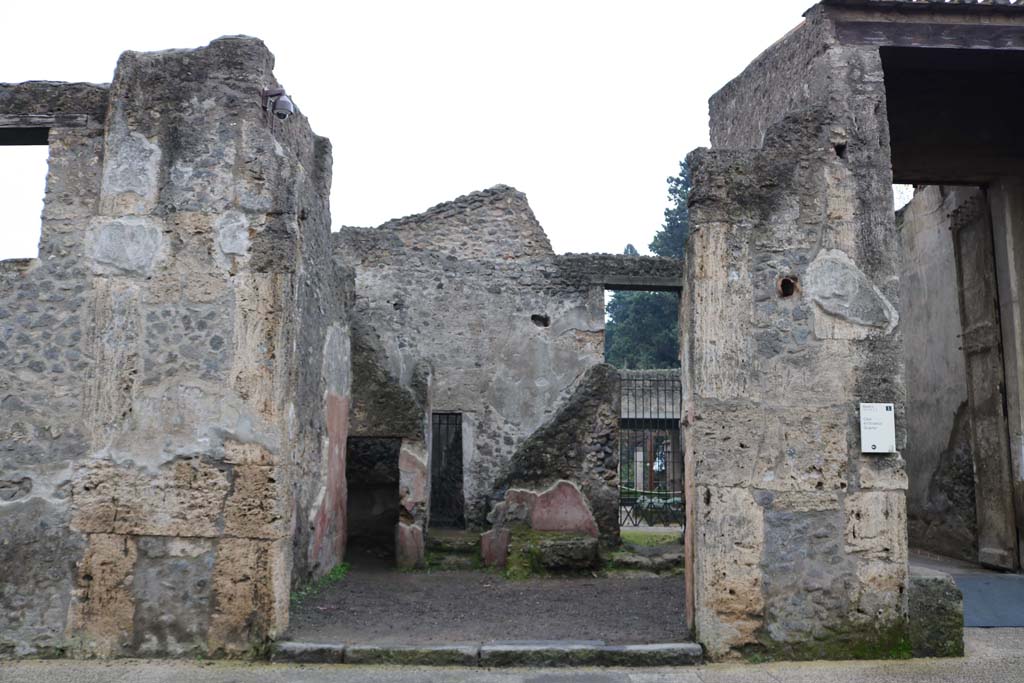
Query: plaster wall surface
{"points": [[941, 496], [174, 366]]}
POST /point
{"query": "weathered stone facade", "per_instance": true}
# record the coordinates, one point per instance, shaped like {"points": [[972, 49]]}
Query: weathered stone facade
{"points": [[174, 379], [472, 289], [796, 542], [182, 368]]}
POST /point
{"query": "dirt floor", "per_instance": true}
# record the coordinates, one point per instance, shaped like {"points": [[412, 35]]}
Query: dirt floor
{"points": [[379, 605]]}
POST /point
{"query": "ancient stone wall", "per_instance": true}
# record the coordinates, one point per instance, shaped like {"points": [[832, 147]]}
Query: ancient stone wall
{"points": [[472, 289], [565, 477], [47, 370], [940, 469], [174, 366], [796, 542]]}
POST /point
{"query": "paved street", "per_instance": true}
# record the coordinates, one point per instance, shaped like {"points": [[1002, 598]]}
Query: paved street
{"points": [[993, 656]]}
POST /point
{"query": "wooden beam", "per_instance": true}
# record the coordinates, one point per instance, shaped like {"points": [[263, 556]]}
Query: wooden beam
{"points": [[915, 34], [43, 120], [638, 284]]}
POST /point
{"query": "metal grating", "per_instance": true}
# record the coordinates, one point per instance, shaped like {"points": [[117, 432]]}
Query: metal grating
{"points": [[447, 501], [650, 449]]}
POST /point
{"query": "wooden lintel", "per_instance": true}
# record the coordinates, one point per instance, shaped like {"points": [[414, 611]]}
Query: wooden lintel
{"points": [[945, 35], [43, 120], [638, 284]]}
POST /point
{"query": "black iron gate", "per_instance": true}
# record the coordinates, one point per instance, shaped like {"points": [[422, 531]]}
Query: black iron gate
{"points": [[447, 502], [650, 452]]}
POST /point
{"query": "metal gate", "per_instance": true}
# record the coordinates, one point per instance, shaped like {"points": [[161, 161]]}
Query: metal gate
{"points": [[650, 453], [447, 502]]}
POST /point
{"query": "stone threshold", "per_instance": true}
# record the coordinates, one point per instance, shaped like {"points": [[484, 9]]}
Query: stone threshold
{"points": [[518, 653]]}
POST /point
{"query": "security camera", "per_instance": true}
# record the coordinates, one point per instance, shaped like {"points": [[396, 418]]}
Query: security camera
{"points": [[277, 102], [282, 107]]}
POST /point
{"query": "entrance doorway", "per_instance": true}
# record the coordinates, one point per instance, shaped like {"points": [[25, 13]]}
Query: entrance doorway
{"points": [[372, 474], [447, 501], [951, 116], [650, 456]]}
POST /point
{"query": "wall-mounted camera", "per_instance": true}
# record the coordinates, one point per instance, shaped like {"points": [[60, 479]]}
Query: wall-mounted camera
{"points": [[277, 102]]}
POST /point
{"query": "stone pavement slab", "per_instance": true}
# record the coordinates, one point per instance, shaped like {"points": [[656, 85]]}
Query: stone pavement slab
{"points": [[993, 656]]}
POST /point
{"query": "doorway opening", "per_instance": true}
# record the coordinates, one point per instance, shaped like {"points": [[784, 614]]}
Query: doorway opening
{"points": [[951, 119], [650, 453], [952, 115], [447, 500], [371, 470]]}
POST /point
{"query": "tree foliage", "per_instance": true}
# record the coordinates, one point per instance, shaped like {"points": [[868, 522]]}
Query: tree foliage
{"points": [[670, 241], [642, 330]]}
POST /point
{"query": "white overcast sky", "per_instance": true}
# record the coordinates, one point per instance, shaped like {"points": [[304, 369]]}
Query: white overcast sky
{"points": [[586, 106]]}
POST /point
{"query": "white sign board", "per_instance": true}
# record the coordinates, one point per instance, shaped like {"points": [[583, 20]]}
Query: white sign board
{"points": [[877, 428]]}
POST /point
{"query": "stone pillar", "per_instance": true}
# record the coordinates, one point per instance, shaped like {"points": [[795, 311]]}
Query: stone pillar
{"points": [[414, 502], [215, 418], [796, 542], [1006, 201]]}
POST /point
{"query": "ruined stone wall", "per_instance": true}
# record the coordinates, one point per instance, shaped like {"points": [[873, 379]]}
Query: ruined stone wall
{"points": [[472, 288], [746, 107], [565, 477], [940, 469], [195, 323], [797, 543], [46, 371]]}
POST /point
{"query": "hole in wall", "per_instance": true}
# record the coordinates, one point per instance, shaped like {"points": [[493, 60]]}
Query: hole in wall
{"points": [[540, 320], [787, 286], [840, 149]]}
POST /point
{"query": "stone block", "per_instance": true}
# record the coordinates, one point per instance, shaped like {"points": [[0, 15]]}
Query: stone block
{"points": [[494, 547], [413, 479], [563, 507], [101, 617], [172, 588], [250, 593], [409, 550], [728, 574], [653, 654], [936, 613], [876, 523], [741, 444], [131, 245], [850, 306], [184, 498], [564, 552], [260, 503], [882, 472], [308, 653], [414, 655], [131, 170], [541, 653], [37, 558]]}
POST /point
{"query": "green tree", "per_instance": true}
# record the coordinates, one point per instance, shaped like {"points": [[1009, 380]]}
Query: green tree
{"points": [[642, 330], [670, 241]]}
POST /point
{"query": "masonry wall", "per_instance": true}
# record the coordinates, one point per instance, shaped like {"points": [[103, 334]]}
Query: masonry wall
{"points": [[46, 371], [797, 542], [940, 469], [472, 289], [175, 371]]}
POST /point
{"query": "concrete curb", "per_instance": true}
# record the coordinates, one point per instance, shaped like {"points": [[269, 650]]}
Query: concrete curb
{"points": [[557, 653]]}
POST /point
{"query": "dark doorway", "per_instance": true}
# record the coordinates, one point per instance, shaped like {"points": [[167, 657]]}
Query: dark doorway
{"points": [[371, 471], [951, 115], [447, 502]]}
